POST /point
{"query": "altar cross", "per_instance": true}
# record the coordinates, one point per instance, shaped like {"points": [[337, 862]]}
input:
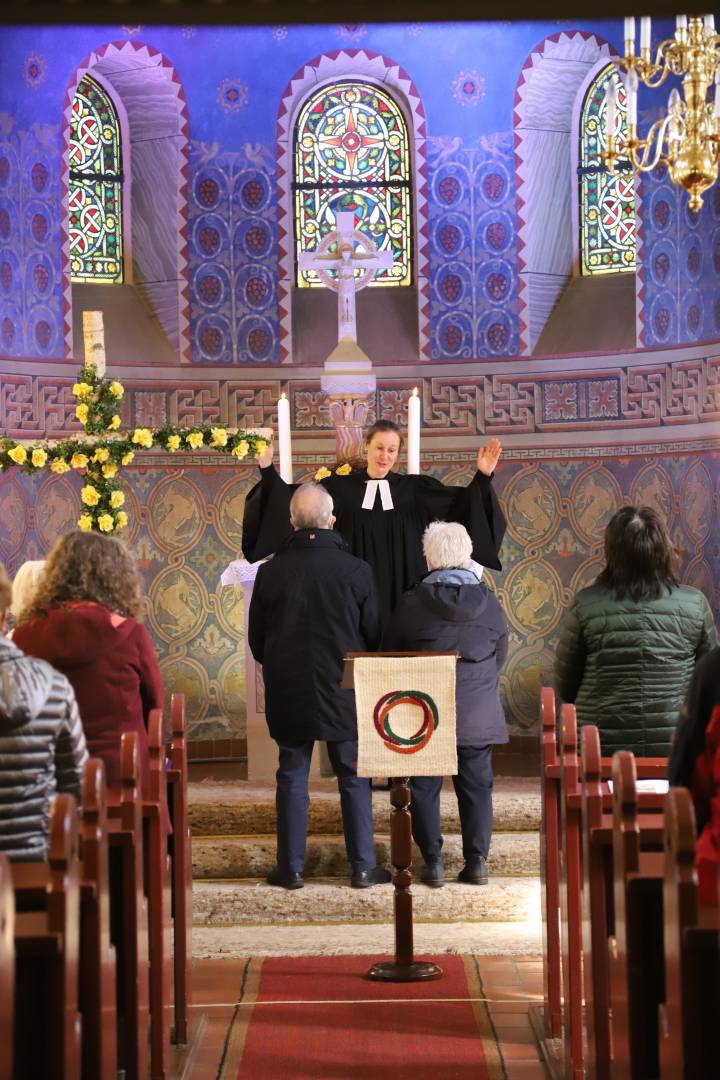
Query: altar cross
{"points": [[345, 260]]}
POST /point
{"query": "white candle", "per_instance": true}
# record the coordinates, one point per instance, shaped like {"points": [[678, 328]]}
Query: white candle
{"points": [[413, 449], [681, 27], [94, 340], [645, 34], [284, 439], [629, 35], [611, 105], [709, 23], [631, 87]]}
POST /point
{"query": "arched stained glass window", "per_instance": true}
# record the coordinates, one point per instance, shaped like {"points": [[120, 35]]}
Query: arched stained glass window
{"points": [[607, 203], [95, 193], [352, 154]]}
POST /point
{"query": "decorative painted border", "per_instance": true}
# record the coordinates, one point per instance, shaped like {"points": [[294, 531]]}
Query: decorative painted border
{"points": [[324, 69], [149, 52]]}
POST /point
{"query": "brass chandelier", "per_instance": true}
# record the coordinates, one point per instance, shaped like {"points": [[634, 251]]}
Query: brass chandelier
{"points": [[687, 139]]}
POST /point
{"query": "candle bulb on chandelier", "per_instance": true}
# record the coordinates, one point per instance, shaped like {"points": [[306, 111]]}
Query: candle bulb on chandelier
{"points": [[709, 24], [284, 439], [716, 104], [645, 36], [413, 449], [611, 106], [631, 87], [629, 35], [681, 28]]}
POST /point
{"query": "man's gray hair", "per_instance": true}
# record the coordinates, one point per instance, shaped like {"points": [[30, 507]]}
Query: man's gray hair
{"points": [[446, 544], [311, 507]]}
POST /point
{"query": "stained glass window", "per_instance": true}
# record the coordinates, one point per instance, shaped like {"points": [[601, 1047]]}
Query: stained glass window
{"points": [[607, 202], [352, 154], [95, 195]]}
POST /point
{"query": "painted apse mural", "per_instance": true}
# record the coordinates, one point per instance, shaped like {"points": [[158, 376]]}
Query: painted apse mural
{"points": [[472, 96]]}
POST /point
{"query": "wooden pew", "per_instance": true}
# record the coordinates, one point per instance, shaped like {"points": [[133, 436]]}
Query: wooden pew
{"points": [[181, 868], [636, 968], [47, 945], [571, 895], [7, 967], [688, 1019], [550, 864], [128, 912], [597, 888], [98, 1000], [157, 890]]}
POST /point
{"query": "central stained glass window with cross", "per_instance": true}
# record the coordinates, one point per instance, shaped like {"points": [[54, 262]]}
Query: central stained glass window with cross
{"points": [[352, 153], [607, 201], [95, 190]]}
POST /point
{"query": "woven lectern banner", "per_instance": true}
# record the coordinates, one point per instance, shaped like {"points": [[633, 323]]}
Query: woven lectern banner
{"points": [[406, 715]]}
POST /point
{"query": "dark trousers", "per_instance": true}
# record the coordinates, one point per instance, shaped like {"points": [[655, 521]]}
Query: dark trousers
{"points": [[473, 787], [292, 801]]}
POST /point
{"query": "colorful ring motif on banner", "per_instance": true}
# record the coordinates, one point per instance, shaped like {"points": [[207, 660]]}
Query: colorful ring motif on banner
{"points": [[381, 716]]}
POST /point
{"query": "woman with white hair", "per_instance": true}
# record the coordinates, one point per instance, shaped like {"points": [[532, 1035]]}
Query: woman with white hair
{"points": [[24, 584], [453, 610]]}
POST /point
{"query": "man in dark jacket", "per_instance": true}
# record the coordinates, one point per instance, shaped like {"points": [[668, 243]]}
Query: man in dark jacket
{"points": [[313, 603], [42, 745], [452, 610]]}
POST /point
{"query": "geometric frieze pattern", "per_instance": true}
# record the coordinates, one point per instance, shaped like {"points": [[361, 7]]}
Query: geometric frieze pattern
{"points": [[186, 525], [655, 395]]}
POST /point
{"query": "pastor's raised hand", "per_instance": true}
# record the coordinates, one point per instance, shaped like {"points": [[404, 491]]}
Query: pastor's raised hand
{"points": [[266, 457], [488, 457]]}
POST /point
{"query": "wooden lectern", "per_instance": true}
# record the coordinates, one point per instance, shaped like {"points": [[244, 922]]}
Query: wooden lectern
{"points": [[403, 968]]}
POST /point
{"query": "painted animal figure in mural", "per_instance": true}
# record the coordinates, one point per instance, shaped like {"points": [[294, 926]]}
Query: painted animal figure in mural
{"points": [[594, 507]]}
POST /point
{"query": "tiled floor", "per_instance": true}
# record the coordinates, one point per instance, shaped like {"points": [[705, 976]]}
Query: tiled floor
{"points": [[510, 984]]}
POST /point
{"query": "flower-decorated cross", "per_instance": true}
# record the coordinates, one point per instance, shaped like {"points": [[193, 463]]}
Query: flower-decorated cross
{"points": [[101, 454]]}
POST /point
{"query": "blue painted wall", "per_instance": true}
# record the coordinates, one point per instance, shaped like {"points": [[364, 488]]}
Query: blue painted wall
{"points": [[233, 80]]}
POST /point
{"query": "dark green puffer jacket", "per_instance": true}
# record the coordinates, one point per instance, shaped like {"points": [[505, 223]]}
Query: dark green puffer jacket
{"points": [[626, 665]]}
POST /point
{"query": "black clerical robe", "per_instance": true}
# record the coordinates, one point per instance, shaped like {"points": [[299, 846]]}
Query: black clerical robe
{"points": [[390, 540]]}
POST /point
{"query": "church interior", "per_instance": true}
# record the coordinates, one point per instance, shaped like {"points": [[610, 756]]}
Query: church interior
{"points": [[170, 176]]}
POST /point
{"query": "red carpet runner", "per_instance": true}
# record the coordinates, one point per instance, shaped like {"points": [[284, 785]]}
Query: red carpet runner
{"points": [[317, 1018]]}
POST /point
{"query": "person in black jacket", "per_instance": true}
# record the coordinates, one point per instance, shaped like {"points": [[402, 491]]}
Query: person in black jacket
{"points": [[313, 603], [453, 610]]}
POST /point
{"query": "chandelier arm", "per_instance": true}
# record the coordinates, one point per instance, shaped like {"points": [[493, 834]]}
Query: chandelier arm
{"points": [[655, 135]]}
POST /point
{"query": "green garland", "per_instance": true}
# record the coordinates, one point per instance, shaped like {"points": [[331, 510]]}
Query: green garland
{"points": [[101, 457]]}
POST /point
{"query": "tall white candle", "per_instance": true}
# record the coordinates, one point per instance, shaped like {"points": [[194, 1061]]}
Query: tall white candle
{"points": [[629, 35], [645, 33], [631, 88], [284, 439], [413, 449], [611, 103], [94, 340]]}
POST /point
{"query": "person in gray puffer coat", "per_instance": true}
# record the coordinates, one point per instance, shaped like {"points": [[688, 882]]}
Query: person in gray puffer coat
{"points": [[42, 745], [629, 643], [451, 610]]}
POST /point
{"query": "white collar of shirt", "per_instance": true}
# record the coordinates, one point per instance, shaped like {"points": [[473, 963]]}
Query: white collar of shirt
{"points": [[371, 489]]}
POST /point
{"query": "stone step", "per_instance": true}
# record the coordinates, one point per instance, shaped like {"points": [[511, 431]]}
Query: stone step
{"points": [[254, 903], [240, 808], [511, 854], [367, 939]]}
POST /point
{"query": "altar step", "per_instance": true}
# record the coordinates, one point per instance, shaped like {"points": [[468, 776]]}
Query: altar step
{"points": [[511, 853], [332, 900]]}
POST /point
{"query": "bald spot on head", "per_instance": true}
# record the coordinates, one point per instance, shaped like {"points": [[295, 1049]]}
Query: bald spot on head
{"points": [[311, 507]]}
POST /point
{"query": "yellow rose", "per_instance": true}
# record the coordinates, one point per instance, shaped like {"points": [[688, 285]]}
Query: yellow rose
{"points": [[101, 454], [194, 439], [344, 470], [59, 466], [38, 457], [106, 523], [109, 471], [218, 436], [90, 495], [85, 522], [79, 461], [82, 389], [122, 519], [127, 458], [240, 451], [322, 473], [82, 413], [173, 443], [114, 422], [116, 389], [143, 437], [261, 446], [117, 499], [18, 454]]}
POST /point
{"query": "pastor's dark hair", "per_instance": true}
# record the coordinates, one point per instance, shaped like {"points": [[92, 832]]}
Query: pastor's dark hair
{"points": [[383, 427], [640, 561]]}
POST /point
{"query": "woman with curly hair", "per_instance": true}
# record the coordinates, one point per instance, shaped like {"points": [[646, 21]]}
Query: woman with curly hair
{"points": [[83, 621]]}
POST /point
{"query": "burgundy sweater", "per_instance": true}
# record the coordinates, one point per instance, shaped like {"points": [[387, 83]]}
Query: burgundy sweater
{"points": [[113, 671]]}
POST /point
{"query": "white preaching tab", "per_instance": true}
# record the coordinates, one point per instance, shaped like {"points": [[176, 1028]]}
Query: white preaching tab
{"points": [[371, 493]]}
